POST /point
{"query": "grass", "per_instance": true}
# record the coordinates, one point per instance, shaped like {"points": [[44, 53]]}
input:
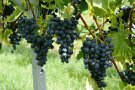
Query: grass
{"points": [[16, 72]]}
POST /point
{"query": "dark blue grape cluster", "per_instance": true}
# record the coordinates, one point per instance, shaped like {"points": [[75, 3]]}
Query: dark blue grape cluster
{"points": [[97, 58], [8, 10], [45, 10], [126, 12], [128, 75], [65, 31], [40, 43], [15, 38]]}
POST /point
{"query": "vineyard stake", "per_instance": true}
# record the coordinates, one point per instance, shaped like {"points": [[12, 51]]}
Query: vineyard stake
{"points": [[39, 80]]}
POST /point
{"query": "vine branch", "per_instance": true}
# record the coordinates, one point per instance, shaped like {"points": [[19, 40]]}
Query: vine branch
{"points": [[114, 63], [19, 17], [130, 24], [95, 19], [84, 22], [14, 23], [131, 20], [99, 26], [85, 25], [31, 9]]}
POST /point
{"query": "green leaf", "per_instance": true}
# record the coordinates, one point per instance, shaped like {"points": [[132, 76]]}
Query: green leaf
{"points": [[62, 3], [65, 2], [112, 5], [131, 1], [35, 7], [134, 68], [14, 15], [122, 50], [99, 12], [79, 55], [18, 3], [129, 87], [82, 7], [67, 12], [4, 36], [105, 5], [118, 2]]}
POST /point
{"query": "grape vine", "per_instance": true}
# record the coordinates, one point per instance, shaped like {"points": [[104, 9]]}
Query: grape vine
{"points": [[110, 37]]}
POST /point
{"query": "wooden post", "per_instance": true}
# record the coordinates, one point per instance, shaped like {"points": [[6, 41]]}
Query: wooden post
{"points": [[38, 77]]}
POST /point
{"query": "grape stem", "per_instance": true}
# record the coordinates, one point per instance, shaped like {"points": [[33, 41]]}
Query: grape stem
{"points": [[86, 25], [31, 9], [95, 19], [130, 24], [99, 26], [14, 23], [117, 69], [18, 17]]}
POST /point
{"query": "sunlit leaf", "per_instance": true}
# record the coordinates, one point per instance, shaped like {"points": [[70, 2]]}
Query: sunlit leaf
{"points": [[14, 15]]}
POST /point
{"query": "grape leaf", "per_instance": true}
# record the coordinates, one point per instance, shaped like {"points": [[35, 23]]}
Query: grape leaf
{"points": [[118, 2], [0, 6], [105, 5], [18, 3], [82, 7], [14, 15], [112, 5], [79, 55], [35, 7], [90, 4], [122, 50], [129, 87], [67, 11], [4, 36], [62, 3], [99, 11], [131, 1]]}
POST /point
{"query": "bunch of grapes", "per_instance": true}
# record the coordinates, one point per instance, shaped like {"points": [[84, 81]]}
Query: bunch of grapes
{"points": [[15, 36], [97, 58], [125, 17], [45, 10], [8, 10], [126, 12], [65, 31], [40, 43], [128, 76]]}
